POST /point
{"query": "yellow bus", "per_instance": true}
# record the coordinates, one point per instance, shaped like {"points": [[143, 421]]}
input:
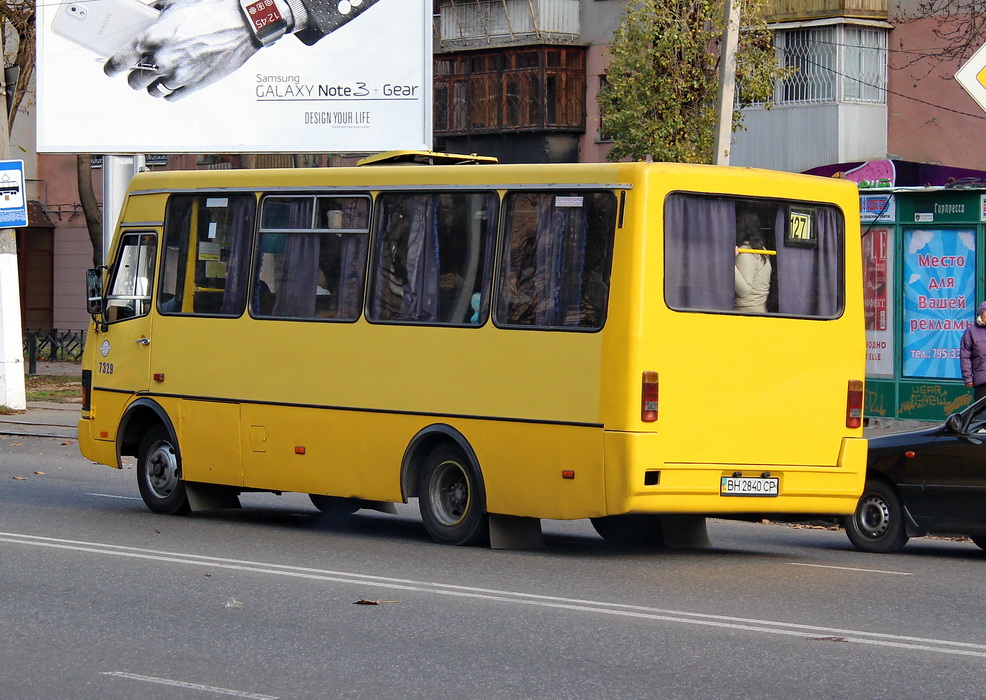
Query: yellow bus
{"points": [[504, 343]]}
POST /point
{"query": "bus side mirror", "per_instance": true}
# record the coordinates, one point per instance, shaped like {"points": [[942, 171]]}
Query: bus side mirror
{"points": [[94, 292]]}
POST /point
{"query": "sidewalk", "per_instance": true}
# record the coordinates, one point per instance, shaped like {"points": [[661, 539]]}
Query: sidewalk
{"points": [[43, 419], [47, 418]]}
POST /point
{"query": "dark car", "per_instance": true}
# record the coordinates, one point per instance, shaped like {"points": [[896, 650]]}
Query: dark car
{"points": [[922, 482]]}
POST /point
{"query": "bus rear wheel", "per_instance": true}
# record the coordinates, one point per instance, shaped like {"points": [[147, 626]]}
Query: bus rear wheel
{"points": [[632, 530], [159, 473], [450, 497]]}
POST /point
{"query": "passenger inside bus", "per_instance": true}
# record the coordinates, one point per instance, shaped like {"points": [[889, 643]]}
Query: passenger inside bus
{"points": [[752, 271]]}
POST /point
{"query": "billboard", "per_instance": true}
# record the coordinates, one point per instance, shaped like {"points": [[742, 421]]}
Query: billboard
{"points": [[234, 76], [939, 300]]}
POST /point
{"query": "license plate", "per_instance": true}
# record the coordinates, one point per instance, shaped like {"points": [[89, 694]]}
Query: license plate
{"points": [[748, 486]]}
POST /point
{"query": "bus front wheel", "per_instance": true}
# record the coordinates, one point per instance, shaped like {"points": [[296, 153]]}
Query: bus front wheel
{"points": [[159, 473], [450, 498]]}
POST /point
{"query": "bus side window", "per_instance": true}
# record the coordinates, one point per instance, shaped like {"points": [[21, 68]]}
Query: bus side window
{"points": [[206, 259], [433, 258], [556, 259], [311, 257], [133, 276]]}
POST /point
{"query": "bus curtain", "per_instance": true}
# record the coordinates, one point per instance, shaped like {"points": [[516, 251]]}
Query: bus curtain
{"points": [[407, 274], [421, 288], [297, 281], [560, 263], [808, 280], [699, 255], [238, 267]]}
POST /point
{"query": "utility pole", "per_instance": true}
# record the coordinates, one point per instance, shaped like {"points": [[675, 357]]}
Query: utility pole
{"points": [[118, 170], [12, 393], [727, 82]]}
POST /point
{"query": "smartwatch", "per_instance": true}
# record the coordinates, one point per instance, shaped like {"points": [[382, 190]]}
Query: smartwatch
{"points": [[266, 20]]}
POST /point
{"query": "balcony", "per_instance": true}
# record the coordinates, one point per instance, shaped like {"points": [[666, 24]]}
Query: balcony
{"points": [[793, 10], [472, 24]]}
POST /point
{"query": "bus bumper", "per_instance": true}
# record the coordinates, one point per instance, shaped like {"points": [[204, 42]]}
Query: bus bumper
{"points": [[101, 451], [636, 482]]}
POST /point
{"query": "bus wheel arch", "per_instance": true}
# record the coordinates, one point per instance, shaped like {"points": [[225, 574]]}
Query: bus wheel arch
{"points": [[139, 418], [147, 433], [441, 469], [422, 445]]}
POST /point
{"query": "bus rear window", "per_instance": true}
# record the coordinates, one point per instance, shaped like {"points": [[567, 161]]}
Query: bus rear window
{"points": [[753, 256]]}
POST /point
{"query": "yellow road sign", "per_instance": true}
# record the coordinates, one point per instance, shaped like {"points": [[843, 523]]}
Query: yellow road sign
{"points": [[972, 76]]}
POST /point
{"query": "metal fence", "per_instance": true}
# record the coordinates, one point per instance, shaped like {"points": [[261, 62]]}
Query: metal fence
{"points": [[52, 345]]}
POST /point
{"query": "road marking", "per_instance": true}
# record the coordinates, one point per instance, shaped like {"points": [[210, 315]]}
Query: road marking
{"points": [[940, 646], [110, 495], [185, 684], [852, 568]]}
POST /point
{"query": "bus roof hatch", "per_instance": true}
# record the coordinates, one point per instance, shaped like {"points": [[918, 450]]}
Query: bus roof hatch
{"points": [[425, 158]]}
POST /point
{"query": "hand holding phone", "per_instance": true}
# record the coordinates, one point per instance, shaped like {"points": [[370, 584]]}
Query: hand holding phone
{"points": [[102, 26]]}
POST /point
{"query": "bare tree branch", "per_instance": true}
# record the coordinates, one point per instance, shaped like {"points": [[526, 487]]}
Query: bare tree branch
{"points": [[959, 26]]}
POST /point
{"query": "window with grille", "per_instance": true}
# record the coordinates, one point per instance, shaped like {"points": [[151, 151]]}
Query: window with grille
{"points": [[865, 67], [835, 63]]}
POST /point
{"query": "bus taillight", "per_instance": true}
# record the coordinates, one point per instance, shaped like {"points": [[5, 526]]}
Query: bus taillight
{"points": [[854, 404], [648, 397]]}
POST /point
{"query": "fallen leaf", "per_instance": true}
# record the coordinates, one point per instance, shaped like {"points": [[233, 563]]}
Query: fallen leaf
{"points": [[363, 601], [20, 478], [39, 472], [829, 639], [68, 442], [16, 444]]}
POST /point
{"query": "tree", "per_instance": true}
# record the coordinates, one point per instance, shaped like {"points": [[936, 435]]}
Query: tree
{"points": [[90, 206], [659, 99], [19, 39]]}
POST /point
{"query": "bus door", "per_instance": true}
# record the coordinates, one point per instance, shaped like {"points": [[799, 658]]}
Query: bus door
{"points": [[123, 348]]}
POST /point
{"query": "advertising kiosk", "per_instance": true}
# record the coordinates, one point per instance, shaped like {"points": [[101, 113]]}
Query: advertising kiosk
{"points": [[924, 259]]}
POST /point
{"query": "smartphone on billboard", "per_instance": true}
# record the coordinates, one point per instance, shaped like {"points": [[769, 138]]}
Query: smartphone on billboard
{"points": [[102, 26]]}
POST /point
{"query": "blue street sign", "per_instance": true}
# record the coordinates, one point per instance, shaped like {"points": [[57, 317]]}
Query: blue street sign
{"points": [[13, 202]]}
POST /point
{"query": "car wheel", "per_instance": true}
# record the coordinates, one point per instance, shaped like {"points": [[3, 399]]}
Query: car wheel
{"points": [[159, 473], [451, 499], [878, 524], [633, 530]]}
